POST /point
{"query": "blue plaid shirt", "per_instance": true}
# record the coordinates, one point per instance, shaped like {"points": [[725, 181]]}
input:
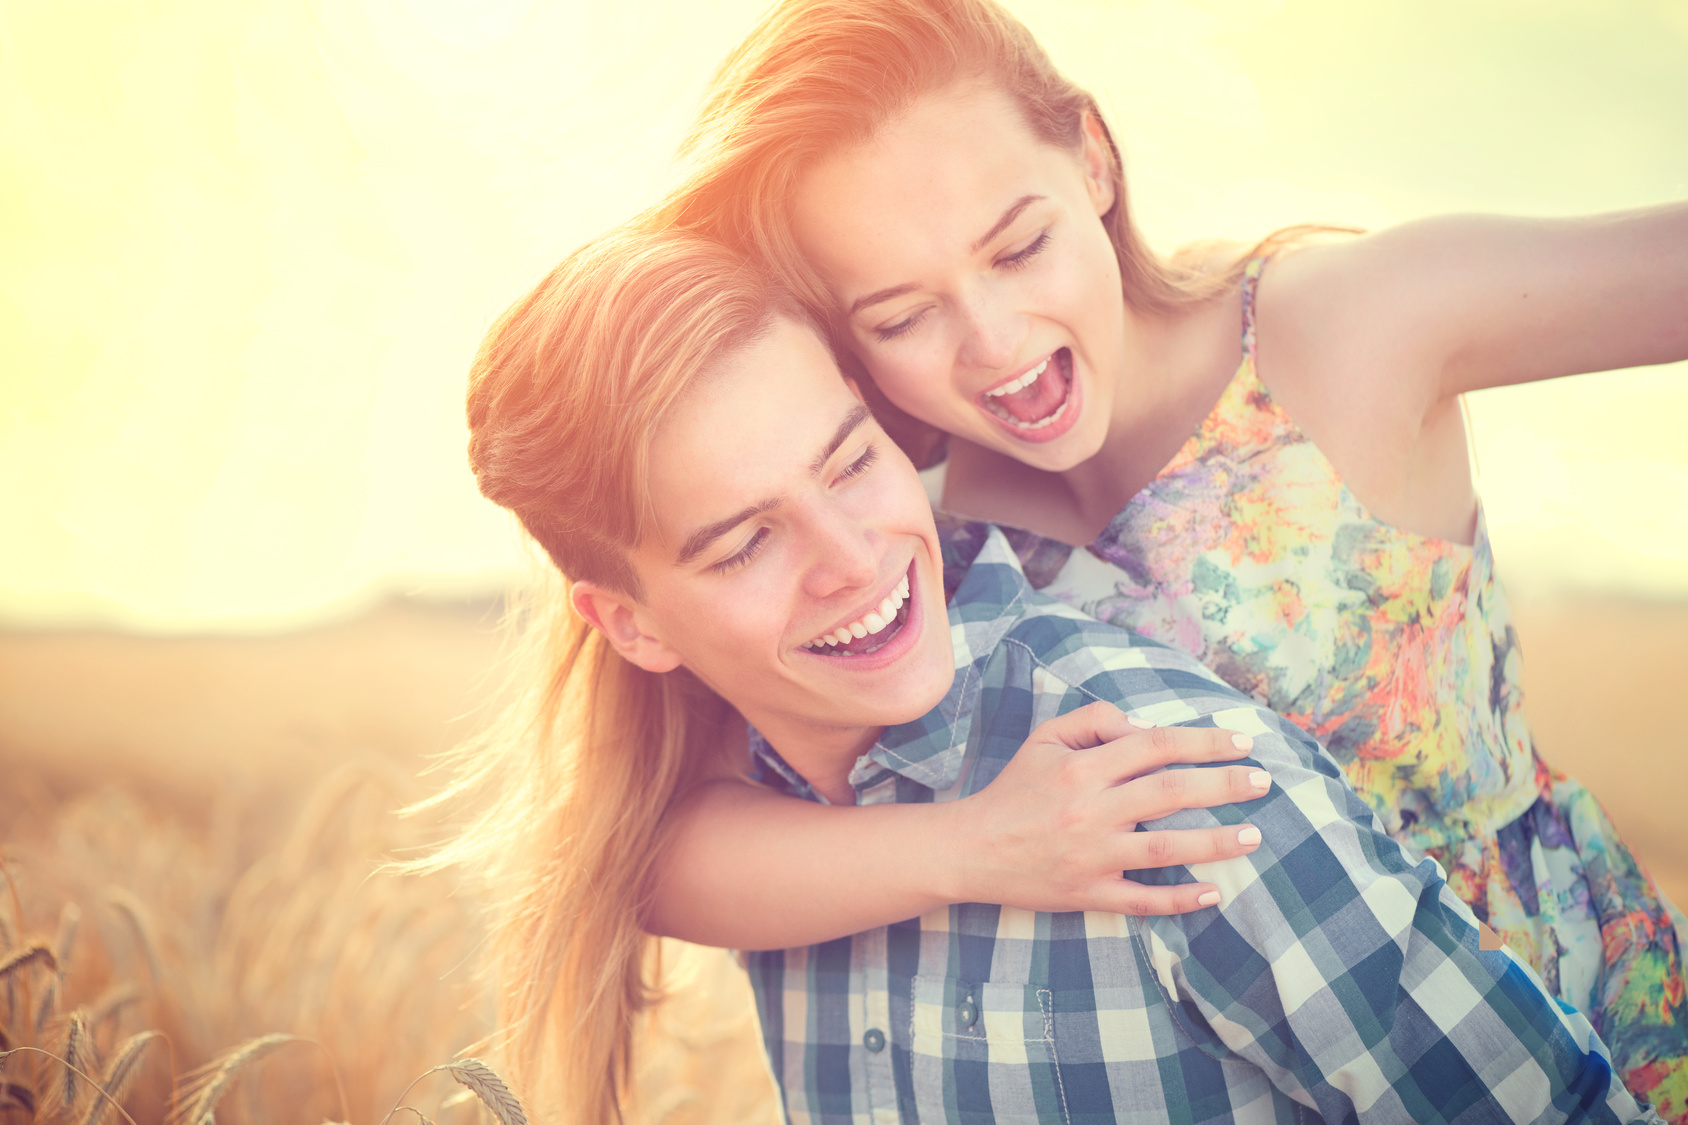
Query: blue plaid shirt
{"points": [[1340, 978]]}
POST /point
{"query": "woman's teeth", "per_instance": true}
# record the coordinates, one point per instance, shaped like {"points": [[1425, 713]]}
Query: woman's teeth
{"points": [[993, 400], [1037, 425], [874, 621], [1019, 384]]}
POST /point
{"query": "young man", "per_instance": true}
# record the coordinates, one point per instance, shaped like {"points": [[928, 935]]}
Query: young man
{"points": [[796, 570]]}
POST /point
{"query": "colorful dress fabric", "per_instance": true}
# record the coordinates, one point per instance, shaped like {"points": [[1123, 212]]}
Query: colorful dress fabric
{"points": [[1397, 651]]}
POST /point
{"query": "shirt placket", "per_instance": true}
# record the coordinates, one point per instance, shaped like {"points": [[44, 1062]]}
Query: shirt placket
{"points": [[873, 1017], [873, 999]]}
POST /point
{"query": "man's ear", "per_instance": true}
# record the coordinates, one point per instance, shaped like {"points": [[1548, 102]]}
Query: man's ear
{"points": [[1097, 159], [624, 623]]}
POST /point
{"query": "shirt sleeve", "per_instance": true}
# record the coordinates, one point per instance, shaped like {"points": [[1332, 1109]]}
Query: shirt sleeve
{"points": [[1341, 965], [1349, 971]]}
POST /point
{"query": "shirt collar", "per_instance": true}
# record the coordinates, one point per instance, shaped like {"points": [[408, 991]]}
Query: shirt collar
{"points": [[989, 597]]}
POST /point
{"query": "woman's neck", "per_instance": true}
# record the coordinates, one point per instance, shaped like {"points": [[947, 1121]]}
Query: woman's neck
{"points": [[1176, 367]]}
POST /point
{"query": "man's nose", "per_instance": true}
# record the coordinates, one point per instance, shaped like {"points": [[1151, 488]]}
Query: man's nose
{"points": [[846, 555]]}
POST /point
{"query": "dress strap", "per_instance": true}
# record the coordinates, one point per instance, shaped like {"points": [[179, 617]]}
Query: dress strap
{"points": [[1251, 283]]}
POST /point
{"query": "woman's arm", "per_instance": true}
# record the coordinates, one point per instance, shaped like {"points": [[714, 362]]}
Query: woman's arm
{"points": [[749, 869], [1465, 302]]}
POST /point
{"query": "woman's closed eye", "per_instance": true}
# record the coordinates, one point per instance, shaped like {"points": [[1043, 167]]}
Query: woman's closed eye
{"points": [[902, 327], [1019, 259]]}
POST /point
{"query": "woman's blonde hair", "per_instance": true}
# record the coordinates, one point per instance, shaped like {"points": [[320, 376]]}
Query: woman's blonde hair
{"points": [[817, 76], [564, 397]]}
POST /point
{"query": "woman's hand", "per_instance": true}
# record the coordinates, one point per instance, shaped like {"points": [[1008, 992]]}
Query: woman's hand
{"points": [[747, 868], [1055, 829]]}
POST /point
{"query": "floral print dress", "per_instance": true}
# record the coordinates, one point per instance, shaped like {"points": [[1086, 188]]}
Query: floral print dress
{"points": [[1397, 651]]}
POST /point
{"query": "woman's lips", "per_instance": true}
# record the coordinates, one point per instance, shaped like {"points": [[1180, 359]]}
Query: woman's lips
{"points": [[1040, 405]]}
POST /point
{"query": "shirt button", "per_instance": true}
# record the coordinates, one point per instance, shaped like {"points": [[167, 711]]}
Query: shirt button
{"points": [[968, 1013], [874, 1040]]}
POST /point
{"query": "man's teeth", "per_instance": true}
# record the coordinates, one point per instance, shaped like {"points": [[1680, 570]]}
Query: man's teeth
{"points": [[1019, 384], [874, 621]]}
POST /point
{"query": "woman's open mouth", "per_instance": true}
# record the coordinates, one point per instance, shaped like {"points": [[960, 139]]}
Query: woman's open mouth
{"points": [[1040, 404], [883, 631]]}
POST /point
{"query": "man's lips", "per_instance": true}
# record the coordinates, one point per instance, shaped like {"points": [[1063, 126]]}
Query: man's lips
{"points": [[872, 628]]}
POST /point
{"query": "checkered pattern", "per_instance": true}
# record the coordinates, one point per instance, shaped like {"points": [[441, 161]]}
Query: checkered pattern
{"points": [[1340, 979]]}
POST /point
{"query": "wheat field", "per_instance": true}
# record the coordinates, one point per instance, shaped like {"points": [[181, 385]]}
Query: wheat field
{"points": [[195, 836], [194, 900], [178, 938]]}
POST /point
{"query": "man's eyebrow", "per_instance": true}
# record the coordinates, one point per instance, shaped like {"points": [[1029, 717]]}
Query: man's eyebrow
{"points": [[1008, 217], [1001, 225], [698, 541], [858, 414]]}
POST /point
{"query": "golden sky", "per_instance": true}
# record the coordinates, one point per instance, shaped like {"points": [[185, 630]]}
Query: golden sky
{"points": [[247, 248]]}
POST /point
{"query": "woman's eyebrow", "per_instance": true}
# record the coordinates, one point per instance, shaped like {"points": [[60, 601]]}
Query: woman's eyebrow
{"points": [[1008, 217], [882, 295], [997, 228]]}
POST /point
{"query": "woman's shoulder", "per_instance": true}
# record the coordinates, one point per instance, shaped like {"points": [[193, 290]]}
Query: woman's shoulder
{"points": [[1390, 284], [1344, 305]]}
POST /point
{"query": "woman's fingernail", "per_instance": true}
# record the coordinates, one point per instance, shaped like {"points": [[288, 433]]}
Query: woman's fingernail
{"points": [[1260, 779], [1242, 742], [1140, 724], [1208, 898], [1248, 836]]}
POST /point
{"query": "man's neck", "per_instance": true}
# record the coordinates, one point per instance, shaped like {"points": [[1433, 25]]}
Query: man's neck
{"points": [[823, 755]]}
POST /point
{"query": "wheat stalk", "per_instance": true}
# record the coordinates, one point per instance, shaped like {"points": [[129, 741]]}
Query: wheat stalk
{"points": [[69, 916], [215, 1079], [112, 1002], [78, 1056], [490, 1088], [35, 953], [85, 1077], [483, 1081], [135, 913], [119, 1074]]}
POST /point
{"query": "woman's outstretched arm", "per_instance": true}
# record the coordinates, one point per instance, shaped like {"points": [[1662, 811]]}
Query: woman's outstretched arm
{"points": [[746, 868], [1465, 302]]}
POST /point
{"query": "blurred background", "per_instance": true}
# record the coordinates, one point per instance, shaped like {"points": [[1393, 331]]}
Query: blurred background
{"points": [[247, 248]]}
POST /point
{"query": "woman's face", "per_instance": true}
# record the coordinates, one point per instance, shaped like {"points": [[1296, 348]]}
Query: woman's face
{"points": [[976, 279]]}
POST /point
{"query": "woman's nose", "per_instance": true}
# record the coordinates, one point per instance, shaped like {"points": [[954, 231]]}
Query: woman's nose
{"points": [[991, 332]]}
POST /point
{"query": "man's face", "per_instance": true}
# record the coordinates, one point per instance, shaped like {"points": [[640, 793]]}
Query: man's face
{"points": [[784, 517]]}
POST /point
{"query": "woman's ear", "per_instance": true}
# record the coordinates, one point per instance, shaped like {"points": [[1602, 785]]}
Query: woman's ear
{"points": [[626, 626], [1096, 156]]}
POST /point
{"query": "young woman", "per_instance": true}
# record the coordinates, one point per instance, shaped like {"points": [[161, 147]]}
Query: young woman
{"points": [[1260, 460]]}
